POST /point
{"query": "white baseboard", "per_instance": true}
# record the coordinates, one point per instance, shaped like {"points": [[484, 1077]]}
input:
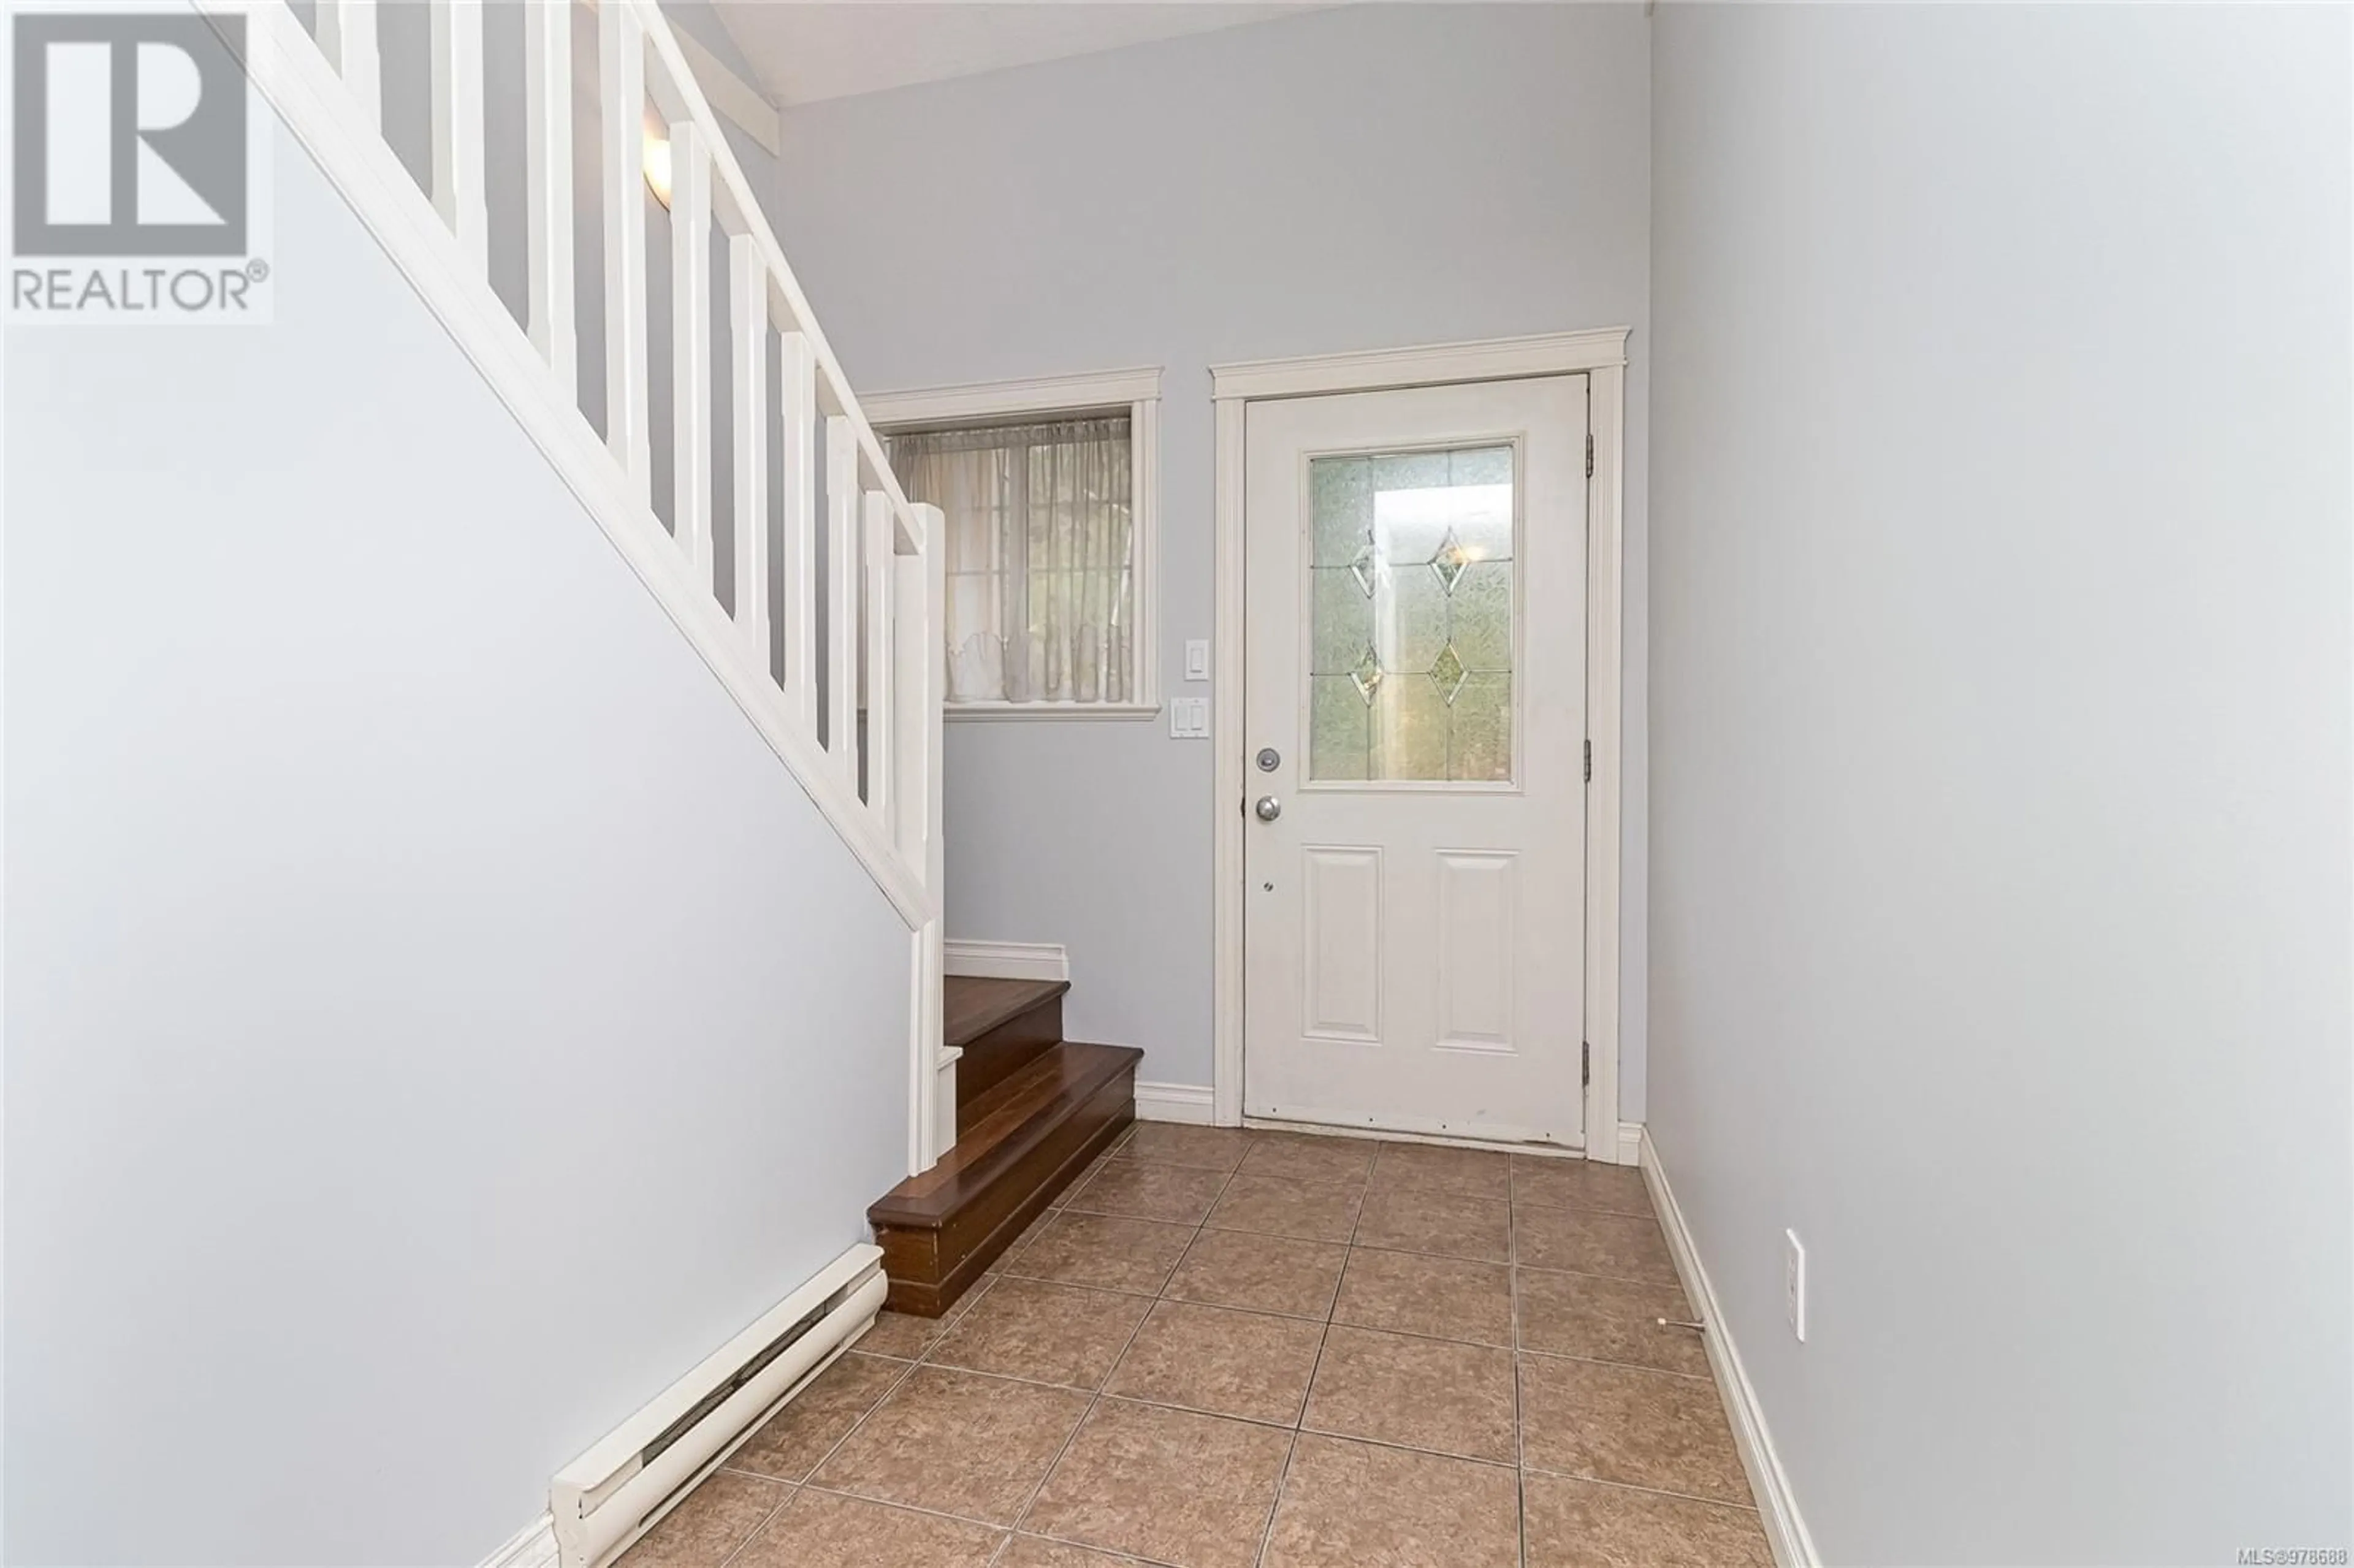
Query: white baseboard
{"points": [[1172, 1102], [534, 1546], [1630, 1143], [1009, 960], [1786, 1531]]}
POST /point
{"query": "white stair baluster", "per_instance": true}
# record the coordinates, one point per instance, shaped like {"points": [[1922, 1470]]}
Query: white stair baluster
{"points": [[347, 34], [622, 80], [748, 327], [458, 176], [882, 719], [841, 596], [690, 338], [797, 535], [547, 189]]}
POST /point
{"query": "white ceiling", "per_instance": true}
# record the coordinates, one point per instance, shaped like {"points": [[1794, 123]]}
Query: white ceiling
{"points": [[805, 50]]}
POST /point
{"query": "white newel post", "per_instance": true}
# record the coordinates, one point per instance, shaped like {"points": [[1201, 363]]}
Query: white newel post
{"points": [[924, 665]]}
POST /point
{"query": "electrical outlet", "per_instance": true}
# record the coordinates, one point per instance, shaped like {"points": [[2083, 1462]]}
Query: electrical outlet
{"points": [[1794, 1283]]}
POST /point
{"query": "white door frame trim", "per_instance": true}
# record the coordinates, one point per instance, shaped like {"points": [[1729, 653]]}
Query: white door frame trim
{"points": [[1601, 355]]}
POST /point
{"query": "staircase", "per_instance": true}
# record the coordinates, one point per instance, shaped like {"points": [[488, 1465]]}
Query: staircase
{"points": [[781, 546], [838, 669], [1032, 1109]]}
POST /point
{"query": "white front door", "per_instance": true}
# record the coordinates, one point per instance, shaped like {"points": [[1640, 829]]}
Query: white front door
{"points": [[1414, 907]]}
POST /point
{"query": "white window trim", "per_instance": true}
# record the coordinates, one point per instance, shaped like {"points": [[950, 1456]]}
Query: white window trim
{"points": [[983, 402]]}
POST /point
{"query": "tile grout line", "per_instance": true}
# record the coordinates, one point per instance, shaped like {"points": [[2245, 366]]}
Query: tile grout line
{"points": [[1308, 1395], [905, 1507], [1275, 1504], [1637, 1487], [1615, 1366], [792, 1493], [1006, 1531], [1519, 1414]]}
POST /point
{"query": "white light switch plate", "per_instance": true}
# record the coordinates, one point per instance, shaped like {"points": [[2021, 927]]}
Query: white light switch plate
{"points": [[1197, 659], [1189, 718]]}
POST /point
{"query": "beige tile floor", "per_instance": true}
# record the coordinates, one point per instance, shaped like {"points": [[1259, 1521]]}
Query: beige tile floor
{"points": [[1256, 1349]]}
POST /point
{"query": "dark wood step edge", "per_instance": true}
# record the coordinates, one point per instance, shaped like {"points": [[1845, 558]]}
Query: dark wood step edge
{"points": [[926, 1200], [1006, 1178], [919, 1287]]}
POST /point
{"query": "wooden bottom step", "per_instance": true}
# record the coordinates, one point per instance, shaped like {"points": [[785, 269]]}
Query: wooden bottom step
{"points": [[1029, 1136]]}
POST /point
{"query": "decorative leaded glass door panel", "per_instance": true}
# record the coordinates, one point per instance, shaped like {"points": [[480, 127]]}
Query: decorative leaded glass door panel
{"points": [[1411, 611], [1414, 903]]}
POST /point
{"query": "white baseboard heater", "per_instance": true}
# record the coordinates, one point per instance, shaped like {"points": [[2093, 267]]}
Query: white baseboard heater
{"points": [[605, 1499]]}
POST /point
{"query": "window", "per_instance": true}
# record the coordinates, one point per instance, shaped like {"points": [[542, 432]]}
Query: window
{"points": [[1048, 504]]}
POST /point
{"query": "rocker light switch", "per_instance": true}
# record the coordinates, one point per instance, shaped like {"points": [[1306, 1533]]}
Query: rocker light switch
{"points": [[1197, 659], [1189, 718]]}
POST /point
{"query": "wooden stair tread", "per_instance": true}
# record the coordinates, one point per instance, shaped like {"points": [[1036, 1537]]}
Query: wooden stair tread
{"points": [[1009, 1122], [973, 1005]]}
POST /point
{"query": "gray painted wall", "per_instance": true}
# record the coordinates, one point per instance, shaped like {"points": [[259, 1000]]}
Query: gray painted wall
{"points": [[434, 1019], [1999, 748], [1347, 179]]}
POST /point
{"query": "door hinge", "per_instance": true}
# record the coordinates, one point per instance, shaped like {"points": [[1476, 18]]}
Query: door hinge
{"points": [[1589, 762], [1589, 454], [1585, 1064]]}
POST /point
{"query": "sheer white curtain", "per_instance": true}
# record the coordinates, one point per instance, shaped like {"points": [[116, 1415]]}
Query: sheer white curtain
{"points": [[1041, 595]]}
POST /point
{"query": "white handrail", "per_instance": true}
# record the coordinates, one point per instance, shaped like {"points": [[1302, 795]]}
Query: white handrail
{"points": [[875, 774]]}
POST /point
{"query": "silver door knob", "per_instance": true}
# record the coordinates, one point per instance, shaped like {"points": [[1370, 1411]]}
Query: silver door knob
{"points": [[1268, 807]]}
